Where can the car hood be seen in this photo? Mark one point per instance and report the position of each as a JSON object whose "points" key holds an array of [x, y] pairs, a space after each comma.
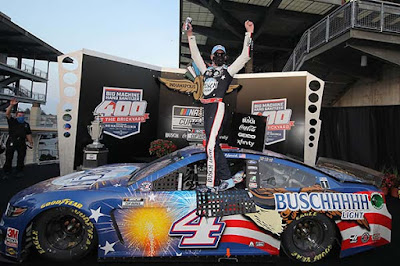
{"points": [[105, 176]]}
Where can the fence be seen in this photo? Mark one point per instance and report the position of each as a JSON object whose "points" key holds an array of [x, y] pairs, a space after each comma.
{"points": [[374, 16], [27, 68]]}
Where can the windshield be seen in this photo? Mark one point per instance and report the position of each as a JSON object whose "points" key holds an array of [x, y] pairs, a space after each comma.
{"points": [[350, 172], [155, 166]]}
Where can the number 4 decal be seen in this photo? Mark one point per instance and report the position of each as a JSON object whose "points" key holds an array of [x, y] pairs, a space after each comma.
{"points": [[197, 232]]}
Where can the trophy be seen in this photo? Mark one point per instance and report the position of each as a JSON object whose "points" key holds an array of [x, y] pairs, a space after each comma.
{"points": [[95, 154], [96, 132]]}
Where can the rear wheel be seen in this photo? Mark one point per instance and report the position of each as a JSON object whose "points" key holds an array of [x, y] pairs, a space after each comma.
{"points": [[63, 234], [309, 238]]}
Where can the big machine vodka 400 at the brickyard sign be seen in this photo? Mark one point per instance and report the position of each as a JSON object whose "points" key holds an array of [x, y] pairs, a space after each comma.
{"points": [[278, 118], [122, 111]]}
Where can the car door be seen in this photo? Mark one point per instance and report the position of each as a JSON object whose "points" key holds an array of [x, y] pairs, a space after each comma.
{"points": [[159, 218]]}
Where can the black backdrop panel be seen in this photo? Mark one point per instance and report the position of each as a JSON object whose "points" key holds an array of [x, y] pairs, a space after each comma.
{"points": [[368, 136], [168, 125], [247, 131], [291, 88], [98, 73]]}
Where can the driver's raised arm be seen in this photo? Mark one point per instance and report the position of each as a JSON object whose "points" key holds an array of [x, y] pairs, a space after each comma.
{"points": [[244, 57], [194, 50]]}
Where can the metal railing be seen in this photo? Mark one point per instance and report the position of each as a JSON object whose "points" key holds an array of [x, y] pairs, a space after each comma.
{"points": [[23, 92], [45, 149], [369, 15], [27, 68]]}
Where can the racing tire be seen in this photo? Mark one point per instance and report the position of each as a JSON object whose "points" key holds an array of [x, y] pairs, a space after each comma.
{"points": [[63, 234], [309, 238]]}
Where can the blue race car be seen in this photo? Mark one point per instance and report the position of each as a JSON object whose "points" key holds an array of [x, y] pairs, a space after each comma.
{"points": [[158, 210]]}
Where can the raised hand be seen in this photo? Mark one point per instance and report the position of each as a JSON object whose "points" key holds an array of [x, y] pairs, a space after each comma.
{"points": [[189, 31], [249, 25], [13, 102]]}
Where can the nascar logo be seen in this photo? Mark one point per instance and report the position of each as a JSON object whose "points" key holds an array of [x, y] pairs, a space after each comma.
{"points": [[184, 116]]}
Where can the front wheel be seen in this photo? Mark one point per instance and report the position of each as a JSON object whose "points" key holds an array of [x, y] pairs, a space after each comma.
{"points": [[309, 238], [63, 234]]}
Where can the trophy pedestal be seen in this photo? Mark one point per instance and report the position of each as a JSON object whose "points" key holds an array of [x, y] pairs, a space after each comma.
{"points": [[94, 157]]}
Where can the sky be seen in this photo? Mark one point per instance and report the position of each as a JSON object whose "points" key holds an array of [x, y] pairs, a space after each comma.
{"points": [[141, 30]]}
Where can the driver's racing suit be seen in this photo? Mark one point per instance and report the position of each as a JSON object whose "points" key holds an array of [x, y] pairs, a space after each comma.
{"points": [[216, 81]]}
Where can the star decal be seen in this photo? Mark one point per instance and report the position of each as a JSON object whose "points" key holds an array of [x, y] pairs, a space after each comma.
{"points": [[117, 185], [108, 247], [96, 214], [223, 77], [152, 197]]}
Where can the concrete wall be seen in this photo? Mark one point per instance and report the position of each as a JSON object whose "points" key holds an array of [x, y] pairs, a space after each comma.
{"points": [[385, 91]]}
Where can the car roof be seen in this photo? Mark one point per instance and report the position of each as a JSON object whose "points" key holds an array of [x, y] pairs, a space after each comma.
{"points": [[195, 149]]}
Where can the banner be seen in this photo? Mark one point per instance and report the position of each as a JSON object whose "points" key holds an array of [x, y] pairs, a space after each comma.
{"points": [[247, 131], [278, 118], [122, 111]]}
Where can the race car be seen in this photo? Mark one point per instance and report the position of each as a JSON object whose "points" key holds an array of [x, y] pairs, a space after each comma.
{"points": [[161, 209]]}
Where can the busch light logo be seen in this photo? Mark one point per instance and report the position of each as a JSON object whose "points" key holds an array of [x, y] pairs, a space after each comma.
{"points": [[278, 118], [322, 202], [122, 111]]}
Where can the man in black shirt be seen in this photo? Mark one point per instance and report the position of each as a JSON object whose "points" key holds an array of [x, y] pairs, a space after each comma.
{"points": [[19, 131]]}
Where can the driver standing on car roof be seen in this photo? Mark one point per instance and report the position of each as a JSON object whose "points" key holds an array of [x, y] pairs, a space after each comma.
{"points": [[217, 79]]}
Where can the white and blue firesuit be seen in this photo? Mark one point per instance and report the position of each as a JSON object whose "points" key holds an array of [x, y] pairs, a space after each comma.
{"points": [[216, 81]]}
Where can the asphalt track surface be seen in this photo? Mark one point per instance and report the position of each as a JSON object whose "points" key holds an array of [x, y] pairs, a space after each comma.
{"points": [[385, 255]]}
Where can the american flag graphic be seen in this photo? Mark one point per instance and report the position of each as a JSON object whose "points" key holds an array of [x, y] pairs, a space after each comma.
{"points": [[240, 230], [354, 236]]}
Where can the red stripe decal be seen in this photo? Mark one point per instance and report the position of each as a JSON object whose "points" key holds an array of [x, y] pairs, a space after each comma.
{"points": [[246, 241], [372, 218], [242, 224], [346, 244]]}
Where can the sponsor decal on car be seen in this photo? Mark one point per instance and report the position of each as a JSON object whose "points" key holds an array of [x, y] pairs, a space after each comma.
{"points": [[12, 252], [376, 237], [68, 202], [324, 182], [352, 215], [132, 202], [145, 186], [353, 239], [12, 237], [235, 155], [260, 244], [253, 185], [377, 201], [320, 201], [365, 237]]}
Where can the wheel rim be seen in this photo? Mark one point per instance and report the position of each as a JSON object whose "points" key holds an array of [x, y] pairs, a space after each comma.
{"points": [[64, 232], [308, 234]]}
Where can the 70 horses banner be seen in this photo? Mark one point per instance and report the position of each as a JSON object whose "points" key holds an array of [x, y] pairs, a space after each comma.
{"points": [[122, 111]]}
